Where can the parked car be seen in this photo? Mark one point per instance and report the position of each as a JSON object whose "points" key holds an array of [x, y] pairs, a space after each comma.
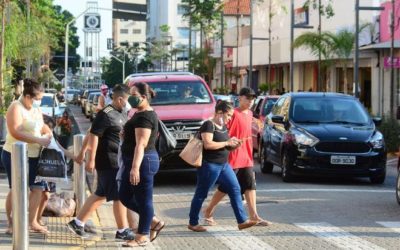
{"points": [[182, 116], [50, 106], [84, 97], [89, 102], [261, 108], [323, 134], [93, 106], [70, 94]]}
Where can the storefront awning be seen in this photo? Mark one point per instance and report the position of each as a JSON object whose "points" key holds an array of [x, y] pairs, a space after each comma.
{"points": [[384, 45]]}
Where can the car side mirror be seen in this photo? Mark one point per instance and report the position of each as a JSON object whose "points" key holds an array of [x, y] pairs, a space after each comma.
{"points": [[278, 119], [377, 121]]}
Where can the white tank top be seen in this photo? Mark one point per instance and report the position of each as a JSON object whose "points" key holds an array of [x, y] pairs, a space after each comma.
{"points": [[32, 123]]}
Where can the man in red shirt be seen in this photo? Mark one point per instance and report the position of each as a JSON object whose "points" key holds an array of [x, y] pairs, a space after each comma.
{"points": [[241, 159]]}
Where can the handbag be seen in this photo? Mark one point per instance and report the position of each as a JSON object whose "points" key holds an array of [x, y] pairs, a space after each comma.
{"points": [[166, 141], [52, 164], [192, 153]]}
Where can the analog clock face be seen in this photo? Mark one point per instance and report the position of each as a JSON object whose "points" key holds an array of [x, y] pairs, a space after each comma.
{"points": [[92, 21]]}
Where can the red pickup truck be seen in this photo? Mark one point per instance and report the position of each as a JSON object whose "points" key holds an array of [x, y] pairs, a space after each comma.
{"points": [[183, 102]]}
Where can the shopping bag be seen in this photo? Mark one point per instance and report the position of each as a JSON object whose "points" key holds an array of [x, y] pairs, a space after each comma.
{"points": [[52, 164], [166, 142]]}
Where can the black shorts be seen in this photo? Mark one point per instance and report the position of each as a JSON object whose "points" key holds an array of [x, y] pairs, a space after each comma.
{"points": [[246, 178], [107, 185]]}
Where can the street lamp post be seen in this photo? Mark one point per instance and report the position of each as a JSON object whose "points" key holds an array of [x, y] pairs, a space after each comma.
{"points": [[356, 44], [292, 27], [66, 51]]}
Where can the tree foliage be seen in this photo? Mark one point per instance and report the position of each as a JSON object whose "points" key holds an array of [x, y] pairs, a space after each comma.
{"points": [[205, 14], [325, 9]]}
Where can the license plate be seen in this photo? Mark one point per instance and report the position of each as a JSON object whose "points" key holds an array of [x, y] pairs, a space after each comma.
{"points": [[182, 135], [343, 160]]}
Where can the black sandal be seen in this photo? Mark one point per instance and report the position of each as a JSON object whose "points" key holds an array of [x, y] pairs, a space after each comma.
{"points": [[157, 229]]}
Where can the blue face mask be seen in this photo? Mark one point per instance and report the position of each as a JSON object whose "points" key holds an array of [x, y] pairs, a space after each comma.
{"points": [[36, 103]]}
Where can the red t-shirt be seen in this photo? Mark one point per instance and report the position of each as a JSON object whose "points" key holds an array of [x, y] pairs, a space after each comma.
{"points": [[240, 127]]}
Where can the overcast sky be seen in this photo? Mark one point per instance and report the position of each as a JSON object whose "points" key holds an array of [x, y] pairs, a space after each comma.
{"points": [[76, 7]]}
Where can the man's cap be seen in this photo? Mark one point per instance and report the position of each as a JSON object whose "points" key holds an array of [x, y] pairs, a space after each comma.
{"points": [[248, 92], [103, 86]]}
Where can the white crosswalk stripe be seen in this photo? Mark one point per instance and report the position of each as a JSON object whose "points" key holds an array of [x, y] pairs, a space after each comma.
{"points": [[231, 237], [393, 225], [337, 236]]}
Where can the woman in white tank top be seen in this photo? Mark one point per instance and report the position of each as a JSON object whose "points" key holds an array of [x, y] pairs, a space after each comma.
{"points": [[25, 123]]}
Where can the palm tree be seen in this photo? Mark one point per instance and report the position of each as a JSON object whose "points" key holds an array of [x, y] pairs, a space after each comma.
{"points": [[318, 44], [342, 45]]}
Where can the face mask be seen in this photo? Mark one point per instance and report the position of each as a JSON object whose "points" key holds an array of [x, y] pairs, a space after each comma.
{"points": [[36, 103], [221, 121], [135, 101], [126, 108]]}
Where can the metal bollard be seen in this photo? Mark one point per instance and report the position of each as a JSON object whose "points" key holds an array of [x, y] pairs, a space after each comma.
{"points": [[79, 174], [19, 175]]}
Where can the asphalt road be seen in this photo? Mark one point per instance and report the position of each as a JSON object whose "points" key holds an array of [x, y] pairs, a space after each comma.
{"points": [[312, 213]]}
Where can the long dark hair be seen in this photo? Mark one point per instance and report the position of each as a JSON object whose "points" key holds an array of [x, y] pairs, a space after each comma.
{"points": [[145, 90], [31, 87]]}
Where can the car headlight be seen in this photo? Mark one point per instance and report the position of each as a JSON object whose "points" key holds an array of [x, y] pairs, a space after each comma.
{"points": [[377, 140], [304, 139]]}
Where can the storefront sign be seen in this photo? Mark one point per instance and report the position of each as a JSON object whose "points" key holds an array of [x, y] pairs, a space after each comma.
{"points": [[395, 63]]}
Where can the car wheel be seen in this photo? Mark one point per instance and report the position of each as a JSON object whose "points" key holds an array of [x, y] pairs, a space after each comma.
{"points": [[398, 188], [287, 165], [266, 166], [379, 179]]}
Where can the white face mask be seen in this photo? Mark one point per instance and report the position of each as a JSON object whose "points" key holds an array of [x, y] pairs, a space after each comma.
{"points": [[127, 108], [36, 103], [221, 121]]}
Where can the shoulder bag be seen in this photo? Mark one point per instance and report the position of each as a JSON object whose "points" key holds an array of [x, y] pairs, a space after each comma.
{"points": [[166, 141]]}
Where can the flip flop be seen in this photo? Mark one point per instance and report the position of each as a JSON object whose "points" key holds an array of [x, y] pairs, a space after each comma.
{"points": [[263, 223], [210, 221], [156, 229], [136, 243], [40, 231]]}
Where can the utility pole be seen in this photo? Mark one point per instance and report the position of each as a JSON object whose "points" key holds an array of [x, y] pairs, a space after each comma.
{"points": [[269, 46], [291, 43], [356, 44], [292, 27], [222, 48], [356, 52], [319, 84], [250, 80], [392, 88], [190, 38], [28, 18], [237, 43]]}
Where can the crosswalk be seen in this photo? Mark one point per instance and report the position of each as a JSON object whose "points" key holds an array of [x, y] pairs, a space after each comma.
{"points": [[335, 237]]}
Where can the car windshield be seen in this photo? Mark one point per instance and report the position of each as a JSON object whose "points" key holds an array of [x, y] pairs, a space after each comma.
{"points": [[47, 101], [329, 110], [173, 93]]}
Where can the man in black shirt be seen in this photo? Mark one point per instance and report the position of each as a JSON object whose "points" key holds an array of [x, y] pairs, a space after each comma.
{"points": [[103, 141]]}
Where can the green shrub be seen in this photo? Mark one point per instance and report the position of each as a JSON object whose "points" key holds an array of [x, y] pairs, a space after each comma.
{"points": [[390, 129]]}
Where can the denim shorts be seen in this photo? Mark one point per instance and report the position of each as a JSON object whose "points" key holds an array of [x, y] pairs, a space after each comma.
{"points": [[33, 168]]}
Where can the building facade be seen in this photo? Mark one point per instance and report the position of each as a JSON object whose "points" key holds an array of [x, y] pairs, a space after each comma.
{"points": [[127, 32], [373, 76]]}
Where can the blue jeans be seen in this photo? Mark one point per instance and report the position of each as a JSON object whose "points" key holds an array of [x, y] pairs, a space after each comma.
{"points": [[209, 174], [140, 198]]}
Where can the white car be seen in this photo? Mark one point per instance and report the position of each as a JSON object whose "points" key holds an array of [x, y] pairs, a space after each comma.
{"points": [[50, 106], [70, 94]]}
